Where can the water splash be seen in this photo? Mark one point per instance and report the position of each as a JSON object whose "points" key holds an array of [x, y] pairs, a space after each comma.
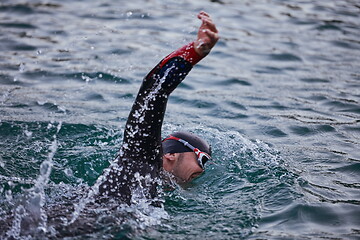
{"points": [[29, 217], [86, 78]]}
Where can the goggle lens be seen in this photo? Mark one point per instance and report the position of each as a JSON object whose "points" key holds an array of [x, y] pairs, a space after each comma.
{"points": [[202, 157]]}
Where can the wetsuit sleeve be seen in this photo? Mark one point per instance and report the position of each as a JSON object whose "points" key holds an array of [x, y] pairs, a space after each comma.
{"points": [[142, 138], [140, 159]]}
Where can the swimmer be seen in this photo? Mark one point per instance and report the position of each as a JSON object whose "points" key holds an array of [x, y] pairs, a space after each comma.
{"points": [[143, 156]]}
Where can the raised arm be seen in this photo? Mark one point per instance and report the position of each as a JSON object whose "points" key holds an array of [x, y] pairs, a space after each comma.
{"points": [[140, 159], [142, 138]]}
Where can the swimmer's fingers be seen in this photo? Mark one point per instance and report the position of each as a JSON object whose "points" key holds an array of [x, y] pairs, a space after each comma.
{"points": [[203, 13], [204, 16], [207, 22]]}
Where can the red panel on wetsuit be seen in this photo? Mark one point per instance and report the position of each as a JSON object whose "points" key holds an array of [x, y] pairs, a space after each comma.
{"points": [[187, 52]]}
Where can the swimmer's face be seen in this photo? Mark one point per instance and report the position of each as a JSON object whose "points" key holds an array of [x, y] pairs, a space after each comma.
{"points": [[183, 166]]}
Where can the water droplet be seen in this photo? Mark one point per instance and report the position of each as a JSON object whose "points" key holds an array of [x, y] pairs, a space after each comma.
{"points": [[86, 78], [22, 67], [45, 168], [8, 195], [41, 230], [28, 133], [62, 109], [68, 172], [129, 14], [2, 164]]}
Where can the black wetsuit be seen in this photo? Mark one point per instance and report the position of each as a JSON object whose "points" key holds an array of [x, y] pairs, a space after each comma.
{"points": [[137, 168]]}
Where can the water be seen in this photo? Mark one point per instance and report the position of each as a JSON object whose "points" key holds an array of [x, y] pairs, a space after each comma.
{"points": [[278, 99]]}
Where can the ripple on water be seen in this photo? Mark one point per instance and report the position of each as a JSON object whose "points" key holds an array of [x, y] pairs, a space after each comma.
{"points": [[272, 131], [99, 76], [287, 57], [95, 97], [120, 51], [343, 105], [311, 130], [346, 44], [329, 25], [236, 81], [228, 114], [197, 103], [309, 218], [18, 25], [237, 105], [16, 8], [184, 85], [269, 70], [10, 80], [274, 105], [314, 80], [27, 8], [302, 130], [45, 76], [51, 107], [351, 169], [6, 45]]}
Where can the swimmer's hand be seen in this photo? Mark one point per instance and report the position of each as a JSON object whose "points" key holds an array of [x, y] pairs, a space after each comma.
{"points": [[207, 35]]}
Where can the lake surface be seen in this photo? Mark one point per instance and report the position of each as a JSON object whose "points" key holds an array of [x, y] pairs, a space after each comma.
{"points": [[278, 99]]}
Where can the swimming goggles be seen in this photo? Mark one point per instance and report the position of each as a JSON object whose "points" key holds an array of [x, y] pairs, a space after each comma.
{"points": [[202, 157]]}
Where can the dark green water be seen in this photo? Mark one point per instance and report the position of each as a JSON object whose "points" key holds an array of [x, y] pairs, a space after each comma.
{"points": [[278, 99]]}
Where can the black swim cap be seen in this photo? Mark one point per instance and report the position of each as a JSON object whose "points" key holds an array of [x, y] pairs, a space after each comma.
{"points": [[173, 146]]}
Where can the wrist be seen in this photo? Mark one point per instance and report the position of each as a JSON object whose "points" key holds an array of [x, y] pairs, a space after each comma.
{"points": [[201, 48]]}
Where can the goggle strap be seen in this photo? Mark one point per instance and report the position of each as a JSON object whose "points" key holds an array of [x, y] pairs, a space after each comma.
{"points": [[194, 149], [180, 140]]}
